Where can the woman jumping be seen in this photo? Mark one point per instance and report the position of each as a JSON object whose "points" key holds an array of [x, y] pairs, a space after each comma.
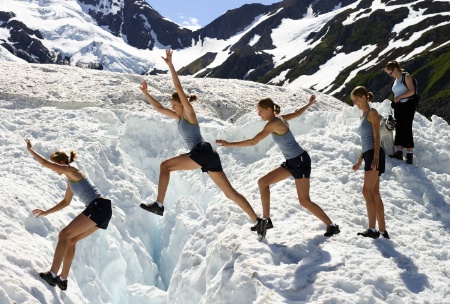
{"points": [[201, 154], [96, 215]]}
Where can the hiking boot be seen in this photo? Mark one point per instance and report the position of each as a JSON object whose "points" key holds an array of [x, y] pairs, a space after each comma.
{"points": [[409, 158], [369, 233], [268, 226], [153, 208], [261, 228], [62, 284], [385, 235], [47, 277], [332, 230], [397, 155]]}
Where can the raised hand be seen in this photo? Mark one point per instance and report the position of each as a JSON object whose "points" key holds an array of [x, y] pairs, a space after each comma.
{"points": [[144, 86], [312, 100], [29, 145], [168, 58]]}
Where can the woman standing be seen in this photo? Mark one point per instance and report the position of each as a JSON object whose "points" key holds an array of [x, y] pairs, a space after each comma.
{"points": [[201, 153], [374, 160], [96, 215], [298, 162], [404, 109]]}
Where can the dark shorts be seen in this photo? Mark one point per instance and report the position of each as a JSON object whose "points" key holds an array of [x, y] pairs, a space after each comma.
{"points": [[100, 211], [368, 158], [204, 155], [300, 166]]}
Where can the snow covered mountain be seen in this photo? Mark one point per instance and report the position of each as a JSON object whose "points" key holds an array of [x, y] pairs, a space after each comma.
{"points": [[327, 45]]}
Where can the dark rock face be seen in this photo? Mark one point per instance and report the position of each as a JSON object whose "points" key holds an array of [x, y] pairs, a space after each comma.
{"points": [[198, 64], [138, 23], [22, 42]]}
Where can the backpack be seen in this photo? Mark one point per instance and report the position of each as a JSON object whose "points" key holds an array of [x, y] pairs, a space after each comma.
{"points": [[416, 97]]}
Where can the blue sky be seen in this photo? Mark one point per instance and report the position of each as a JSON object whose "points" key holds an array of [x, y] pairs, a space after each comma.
{"points": [[198, 13]]}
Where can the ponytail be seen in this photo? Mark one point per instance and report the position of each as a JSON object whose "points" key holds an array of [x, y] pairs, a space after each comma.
{"points": [[73, 155], [391, 65], [190, 98], [267, 103], [60, 156], [361, 91]]}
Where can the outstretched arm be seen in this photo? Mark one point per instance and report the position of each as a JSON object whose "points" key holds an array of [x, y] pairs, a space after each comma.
{"points": [[62, 204], [156, 104], [300, 111], [188, 109], [268, 128], [43, 161]]}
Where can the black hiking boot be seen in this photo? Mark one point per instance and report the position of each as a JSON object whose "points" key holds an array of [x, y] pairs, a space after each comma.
{"points": [[153, 208], [47, 277], [385, 234], [268, 226], [370, 234], [332, 230], [261, 228], [409, 158], [62, 284], [397, 155]]}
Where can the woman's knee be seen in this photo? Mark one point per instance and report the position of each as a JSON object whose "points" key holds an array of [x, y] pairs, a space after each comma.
{"points": [[305, 201], [72, 241], [64, 235], [263, 182], [165, 166], [367, 192], [232, 194]]}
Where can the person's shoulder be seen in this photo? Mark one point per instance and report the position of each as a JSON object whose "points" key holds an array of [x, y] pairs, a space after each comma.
{"points": [[278, 120], [373, 115], [373, 112], [406, 74]]}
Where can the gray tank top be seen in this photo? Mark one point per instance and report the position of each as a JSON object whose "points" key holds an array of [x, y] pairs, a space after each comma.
{"points": [[190, 133], [398, 88], [287, 143], [85, 190], [366, 132]]}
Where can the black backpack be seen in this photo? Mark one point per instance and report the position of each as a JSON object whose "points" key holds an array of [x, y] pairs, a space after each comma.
{"points": [[416, 97]]}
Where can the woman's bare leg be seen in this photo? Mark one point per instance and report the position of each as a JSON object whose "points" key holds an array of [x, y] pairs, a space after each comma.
{"points": [[379, 207], [221, 180], [371, 179], [303, 186], [70, 252], [77, 226], [177, 163], [264, 183]]}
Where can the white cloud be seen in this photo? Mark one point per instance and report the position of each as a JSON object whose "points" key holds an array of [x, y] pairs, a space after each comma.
{"points": [[190, 22]]}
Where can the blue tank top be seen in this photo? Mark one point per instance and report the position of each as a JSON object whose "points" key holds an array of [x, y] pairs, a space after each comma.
{"points": [[366, 132], [287, 144], [190, 133], [85, 190], [398, 88]]}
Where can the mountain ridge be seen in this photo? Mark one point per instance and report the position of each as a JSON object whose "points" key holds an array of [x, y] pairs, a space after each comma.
{"points": [[289, 43]]}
